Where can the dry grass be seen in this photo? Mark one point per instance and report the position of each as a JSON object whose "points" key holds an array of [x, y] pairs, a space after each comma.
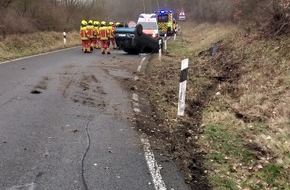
{"points": [[241, 123], [197, 38], [15, 46], [263, 121]]}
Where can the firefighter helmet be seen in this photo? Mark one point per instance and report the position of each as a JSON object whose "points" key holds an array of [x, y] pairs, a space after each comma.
{"points": [[96, 23], [84, 23], [103, 23], [90, 22]]}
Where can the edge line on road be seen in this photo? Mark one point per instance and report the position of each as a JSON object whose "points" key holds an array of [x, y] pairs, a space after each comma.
{"points": [[31, 56], [153, 166]]}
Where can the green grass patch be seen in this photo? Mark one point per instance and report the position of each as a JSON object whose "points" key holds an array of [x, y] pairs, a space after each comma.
{"points": [[271, 176], [227, 142], [224, 183]]}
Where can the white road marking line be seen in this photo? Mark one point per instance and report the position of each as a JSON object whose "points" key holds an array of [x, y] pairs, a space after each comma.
{"points": [[135, 103], [143, 59], [149, 156], [22, 58], [153, 166], [140, 66]]}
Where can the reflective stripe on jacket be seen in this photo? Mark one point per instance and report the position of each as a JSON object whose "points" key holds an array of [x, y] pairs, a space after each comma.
{"points": [[96, 32], [90, 29], [104, 33], [111, 31], [83, 33]]}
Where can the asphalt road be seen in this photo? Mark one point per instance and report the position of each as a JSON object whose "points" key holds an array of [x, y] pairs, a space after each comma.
{"points": [[66, 123]]}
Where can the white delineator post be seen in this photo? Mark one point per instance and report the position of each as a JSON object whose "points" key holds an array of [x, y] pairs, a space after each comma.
{"points": [[64, 38], [165, 41], [182, 87], [160, 49], [174, 37]]}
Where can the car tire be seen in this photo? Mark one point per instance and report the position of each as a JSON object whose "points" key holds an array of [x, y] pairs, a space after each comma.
{"points": [[139, 29]]}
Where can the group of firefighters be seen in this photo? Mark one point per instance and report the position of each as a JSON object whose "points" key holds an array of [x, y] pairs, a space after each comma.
{"points": [[95, 34]]}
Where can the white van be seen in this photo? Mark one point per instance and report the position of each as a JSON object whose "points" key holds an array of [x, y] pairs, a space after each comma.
{"points": [[149, 23]]}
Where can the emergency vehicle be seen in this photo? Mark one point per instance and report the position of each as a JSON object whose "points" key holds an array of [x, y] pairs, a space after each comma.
{"points": [[149, 24], [165, 21]]}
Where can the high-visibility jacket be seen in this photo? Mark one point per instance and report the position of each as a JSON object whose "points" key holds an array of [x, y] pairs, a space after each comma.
{"points": [[111, 30], [174, 26], [83, 33], [104, 33], [90, 29], [96, 32]]}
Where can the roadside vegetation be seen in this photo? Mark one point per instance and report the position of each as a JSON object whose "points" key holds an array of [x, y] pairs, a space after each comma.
{"points": [[235, 133], [15, 46]]}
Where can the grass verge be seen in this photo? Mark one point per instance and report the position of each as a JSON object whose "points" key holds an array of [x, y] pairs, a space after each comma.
{"points": [[235, 133], [15, 46]]}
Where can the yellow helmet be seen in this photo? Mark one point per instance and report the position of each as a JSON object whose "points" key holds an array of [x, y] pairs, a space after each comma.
{"points": [[96, 23], [90, 22], [103, 23], [111, 23], [84, 23], [118, 23]]}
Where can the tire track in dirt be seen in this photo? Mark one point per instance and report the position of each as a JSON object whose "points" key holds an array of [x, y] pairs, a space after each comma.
{"points": [[82, 87]]}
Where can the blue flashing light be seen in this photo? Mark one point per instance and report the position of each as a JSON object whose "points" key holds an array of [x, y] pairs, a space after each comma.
{"points": [[165, 11]]}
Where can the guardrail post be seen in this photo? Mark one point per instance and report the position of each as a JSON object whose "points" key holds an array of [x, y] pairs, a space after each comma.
{"points": [[182, 87]]}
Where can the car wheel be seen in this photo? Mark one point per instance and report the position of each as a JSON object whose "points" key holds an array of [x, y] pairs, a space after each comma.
{"points": [[139, 29]]}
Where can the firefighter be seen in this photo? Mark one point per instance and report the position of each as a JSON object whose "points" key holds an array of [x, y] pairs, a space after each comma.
{"points": [[96, 34], [117, 24], [104, 38], [90, 29], [175, 26], [111, 29], [86, 46]]}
